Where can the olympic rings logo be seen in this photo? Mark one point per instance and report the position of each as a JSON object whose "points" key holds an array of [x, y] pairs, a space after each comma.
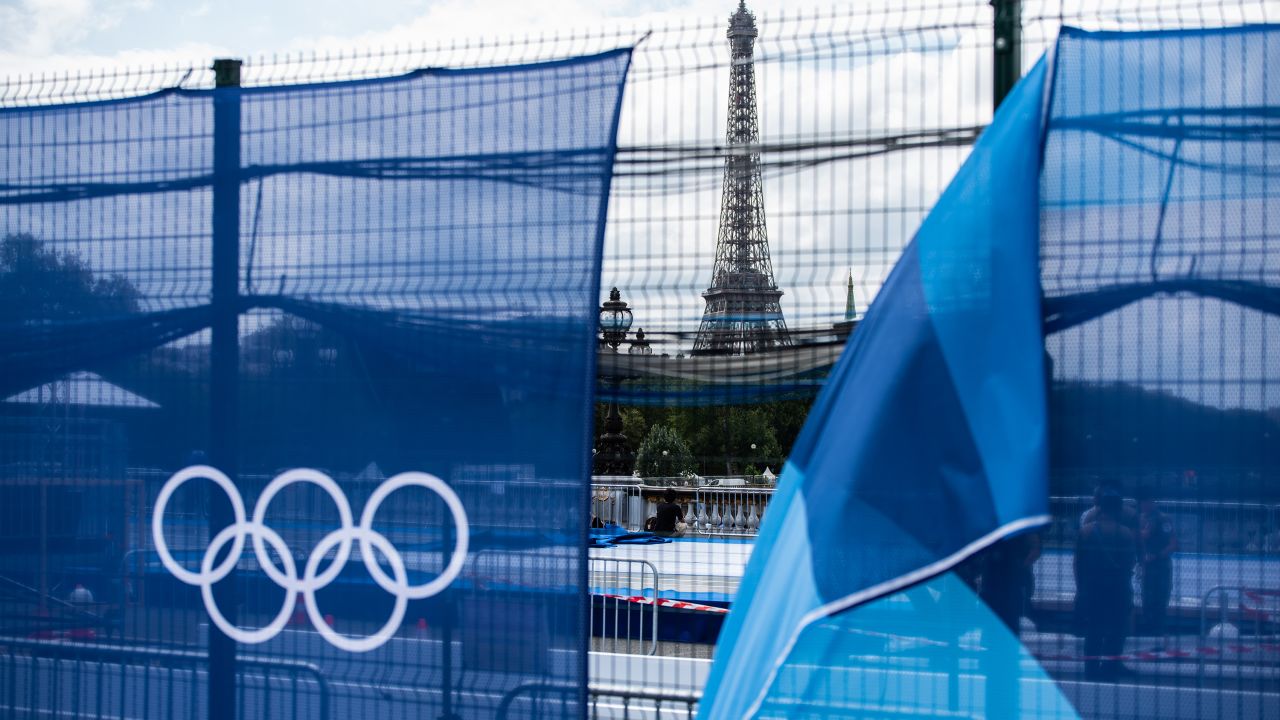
{"points": [[312, 579]]}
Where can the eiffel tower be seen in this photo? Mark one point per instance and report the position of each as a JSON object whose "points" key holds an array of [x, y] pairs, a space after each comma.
{"points": [[743, 314]]}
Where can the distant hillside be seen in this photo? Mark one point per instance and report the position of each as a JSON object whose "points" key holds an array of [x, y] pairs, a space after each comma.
{"points": [[1133, 432]]}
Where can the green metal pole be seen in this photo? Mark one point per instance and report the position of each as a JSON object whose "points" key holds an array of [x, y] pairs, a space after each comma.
{"points": [[1002, 661], [1007, 47]]}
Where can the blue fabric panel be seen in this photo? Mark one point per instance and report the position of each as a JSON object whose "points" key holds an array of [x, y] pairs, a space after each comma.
{"points": [[979, 260], [1160, 264], [895, 460], [417, 287], [934, 650], [1158, 143], [777, 592], [947, 362]]}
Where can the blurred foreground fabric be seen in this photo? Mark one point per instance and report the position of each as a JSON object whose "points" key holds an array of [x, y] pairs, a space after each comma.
{"points": [[1128, 173]]}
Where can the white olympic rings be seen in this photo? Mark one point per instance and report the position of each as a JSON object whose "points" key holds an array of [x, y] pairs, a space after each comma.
{"points": [[312, 578]]}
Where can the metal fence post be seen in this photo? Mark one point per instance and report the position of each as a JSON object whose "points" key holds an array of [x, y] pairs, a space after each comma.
{"points": [[1007, 47], [449, 617], [224, 361]]}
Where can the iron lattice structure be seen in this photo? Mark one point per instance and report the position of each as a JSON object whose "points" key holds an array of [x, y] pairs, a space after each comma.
{"points": [[743, 313]]}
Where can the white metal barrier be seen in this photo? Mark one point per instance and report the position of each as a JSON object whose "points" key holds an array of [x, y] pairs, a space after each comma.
{"points": [[618, 623]]}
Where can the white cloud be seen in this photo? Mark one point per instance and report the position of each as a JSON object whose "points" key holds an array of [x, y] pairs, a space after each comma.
{"points": [[40, 27]]}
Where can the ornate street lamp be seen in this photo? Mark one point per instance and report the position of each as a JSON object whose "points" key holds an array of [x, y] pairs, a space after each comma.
{"points": [[612, 456], [615, 320]]}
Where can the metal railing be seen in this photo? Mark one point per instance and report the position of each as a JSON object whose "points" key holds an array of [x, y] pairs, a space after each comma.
{"points": [[98, 680], [1202, 526], [1207, 526], [618, 622], [734, 511], [617, 502], [713, 506], [604, 702], [1237, 612], [617, 701]]}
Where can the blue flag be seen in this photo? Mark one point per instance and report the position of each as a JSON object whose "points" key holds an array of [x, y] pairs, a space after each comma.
{"points": [[929, 441]]}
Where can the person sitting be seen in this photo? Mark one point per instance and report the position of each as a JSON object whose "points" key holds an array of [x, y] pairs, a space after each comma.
{"points": [[669, 514]]}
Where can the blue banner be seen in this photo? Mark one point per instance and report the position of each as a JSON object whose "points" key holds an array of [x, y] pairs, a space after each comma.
{"points": [[307, 373], [928, 442]]}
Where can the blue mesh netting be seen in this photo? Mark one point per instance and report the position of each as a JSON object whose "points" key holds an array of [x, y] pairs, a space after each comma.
{"points": [[1158, 264], [416, 269]]}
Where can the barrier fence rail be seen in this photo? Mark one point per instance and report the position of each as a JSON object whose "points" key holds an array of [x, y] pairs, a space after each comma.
{"points": [[40, 678], [730, 511], [1238, 609], [1202, 526], [713, 506], [608, 702], [617, 501], [617, 623], [616, 702]]}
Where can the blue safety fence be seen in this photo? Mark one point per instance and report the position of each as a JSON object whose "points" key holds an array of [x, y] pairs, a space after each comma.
{"points": [[297, 388]]}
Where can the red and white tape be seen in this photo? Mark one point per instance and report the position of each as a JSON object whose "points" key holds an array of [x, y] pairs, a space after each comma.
{"points": [[1261, 604], [664, 602]]}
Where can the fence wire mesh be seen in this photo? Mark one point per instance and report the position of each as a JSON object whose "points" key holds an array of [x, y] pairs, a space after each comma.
{"points": [[863, 117]]}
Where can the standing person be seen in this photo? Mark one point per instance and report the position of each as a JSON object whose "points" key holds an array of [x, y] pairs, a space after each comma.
{"points": [[1104, 561], [1157, 543], [669, 514], [1128, 517]]}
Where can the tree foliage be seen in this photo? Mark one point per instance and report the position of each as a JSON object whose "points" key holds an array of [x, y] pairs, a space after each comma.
{"points": [[720, 437], [725, 435], [40, 283], [663, 454]]}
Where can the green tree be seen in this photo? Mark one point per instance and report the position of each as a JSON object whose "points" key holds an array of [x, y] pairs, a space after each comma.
{"points": [[38, 283], [663, 454], [722, 438], [751, 439]]}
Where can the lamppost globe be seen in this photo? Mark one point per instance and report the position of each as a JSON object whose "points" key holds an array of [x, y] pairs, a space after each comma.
{"points": [[615, 320], [613, 457]]}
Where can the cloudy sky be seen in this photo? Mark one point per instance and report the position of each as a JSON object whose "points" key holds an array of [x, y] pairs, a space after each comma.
{"points": [[38, 34], [853, 74], [662, 232]]}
